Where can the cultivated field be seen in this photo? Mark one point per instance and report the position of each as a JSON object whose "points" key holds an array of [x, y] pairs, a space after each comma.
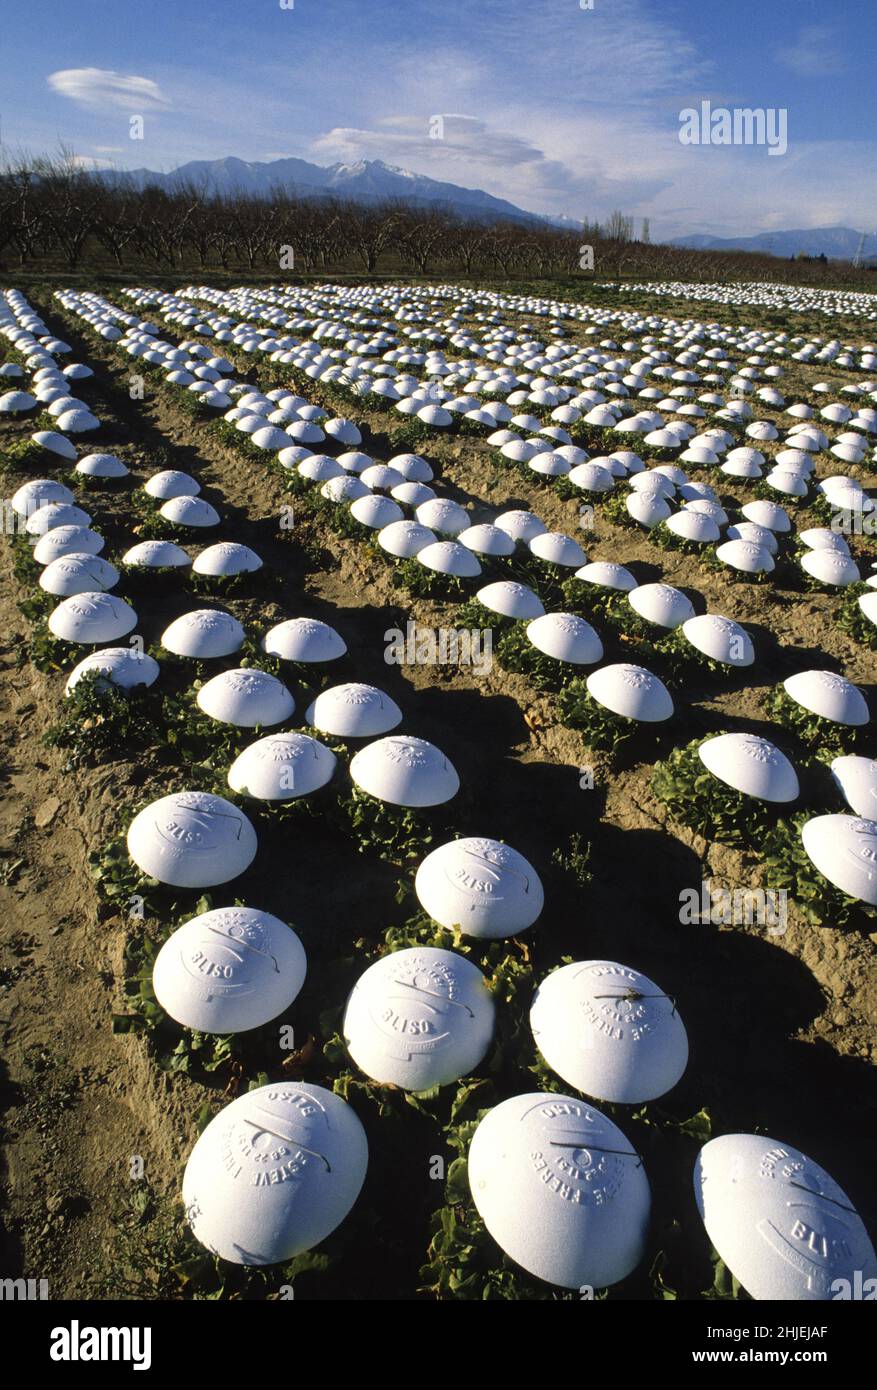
{"points": [[108, 1093]]}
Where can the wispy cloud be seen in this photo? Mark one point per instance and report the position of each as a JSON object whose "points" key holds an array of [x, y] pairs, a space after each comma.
{"points": [[99, 87], [447, 136], [815, 53], [89, 161]]}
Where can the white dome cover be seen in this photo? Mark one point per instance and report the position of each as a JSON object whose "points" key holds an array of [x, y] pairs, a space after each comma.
{"points": [[781, 1224], [282, 767], [77, 421], [156, 555], [560, 1189], [301, 1158], [376, 512], [102, 466], [380, 477], [708, 507], [346, 488], [125, 667], [227, 557], [566, 637], [753, 533], [510, 599], [442, 515], [55, 443], [591, 477], [353, 711], [78, 574], [229, 970], [693, 526], [844, 850], [412, 467], [606, 574], [652, 481], [344, 430], [558, 549], [720, 638], [830, 566], [405, 771], [304, 639], [192, 839], [419, 1018], [189, 511], [450, 557], [405, 539], [320, 468], [54, 514], [828, 695], [631, 691], [487, 540], [823, 538], [412, 494], [746, 557], [204, 632], [37, 493], [609, 1031], [521, 525], [661, 604], [92, 617], [482, 886], [769, 514], [648, 508], [13, 402], [247, 698], [857, 779], [751, 765]]}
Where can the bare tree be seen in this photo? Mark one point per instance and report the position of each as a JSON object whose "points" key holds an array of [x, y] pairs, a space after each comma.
{"points": [[72, 200], [420, 237], [369, 231]]}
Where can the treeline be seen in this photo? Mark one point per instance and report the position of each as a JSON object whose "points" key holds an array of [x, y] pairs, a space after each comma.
{"points": [[57, 216]]}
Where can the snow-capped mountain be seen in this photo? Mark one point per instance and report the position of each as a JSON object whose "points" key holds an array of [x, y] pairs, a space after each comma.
{"points": [[367, 181]]}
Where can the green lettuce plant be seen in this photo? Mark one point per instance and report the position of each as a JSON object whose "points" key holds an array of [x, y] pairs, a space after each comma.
{"points": [[101, 721], [515, 652], [421, 582], [604, 730], [820, 735], [787, 866], [394, 833], [708, 806], [852, 619]]}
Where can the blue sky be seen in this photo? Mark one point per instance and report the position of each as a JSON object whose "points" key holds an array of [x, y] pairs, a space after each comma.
{"points": [[558, 108]]}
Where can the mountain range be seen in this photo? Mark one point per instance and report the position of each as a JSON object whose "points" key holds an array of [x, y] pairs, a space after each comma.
{"points": [[367, 181], [840, 243], [373, 181]]}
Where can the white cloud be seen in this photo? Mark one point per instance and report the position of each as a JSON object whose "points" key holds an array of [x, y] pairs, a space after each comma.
{"points": [[102, 87], [814, 53], [457, 138], [603, 159], [89, 161]]}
